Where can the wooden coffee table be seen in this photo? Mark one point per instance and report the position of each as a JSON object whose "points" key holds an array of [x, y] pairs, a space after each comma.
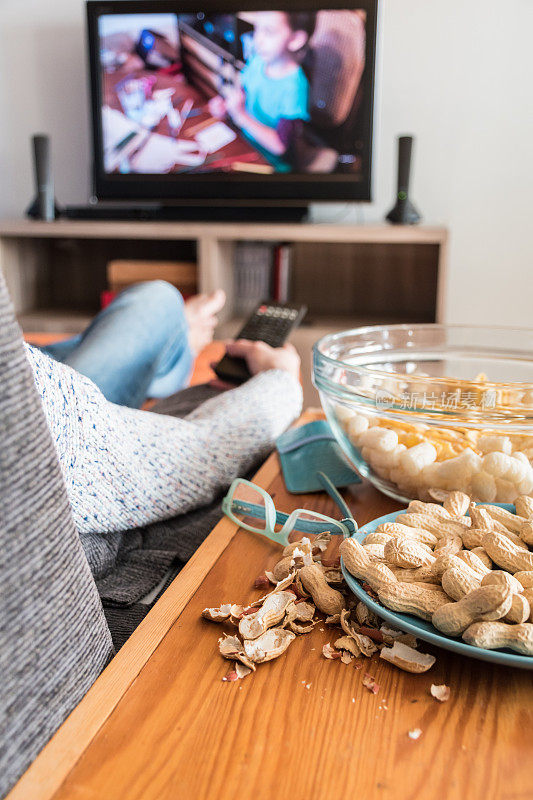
{"points": [[160, 722]]}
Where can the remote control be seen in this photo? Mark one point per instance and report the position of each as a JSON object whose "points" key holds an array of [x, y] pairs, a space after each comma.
{"points": [[271, 323]]}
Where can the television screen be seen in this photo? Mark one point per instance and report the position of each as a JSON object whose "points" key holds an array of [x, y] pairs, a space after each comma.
{"points": [[246, 94]]}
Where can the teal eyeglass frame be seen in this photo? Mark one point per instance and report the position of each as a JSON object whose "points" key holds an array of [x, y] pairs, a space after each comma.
{"points": [[345, 527]]}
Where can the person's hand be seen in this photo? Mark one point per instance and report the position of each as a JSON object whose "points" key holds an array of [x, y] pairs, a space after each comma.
{"points": [[260, 357], [217, 107], [235, 103]]}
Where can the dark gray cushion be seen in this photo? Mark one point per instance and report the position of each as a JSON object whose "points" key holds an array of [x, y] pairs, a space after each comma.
{"points": [[54, 640]]}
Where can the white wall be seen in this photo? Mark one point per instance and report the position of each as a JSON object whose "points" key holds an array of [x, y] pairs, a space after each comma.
{"points": [[456, 73]]}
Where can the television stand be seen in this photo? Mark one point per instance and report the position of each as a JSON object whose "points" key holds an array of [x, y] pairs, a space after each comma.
{"points": [[348, 275], [191, 213]]}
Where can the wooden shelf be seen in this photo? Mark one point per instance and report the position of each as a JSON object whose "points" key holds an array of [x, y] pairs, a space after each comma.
{"points": [[366, 270], [301, 232], [54, 320]]}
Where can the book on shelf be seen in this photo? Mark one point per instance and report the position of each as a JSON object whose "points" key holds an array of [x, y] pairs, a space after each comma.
{"points": [[253, 275], [281, 273], [262, 272]]}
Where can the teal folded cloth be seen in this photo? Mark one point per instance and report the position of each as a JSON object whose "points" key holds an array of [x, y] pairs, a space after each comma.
{"points": [[308, 449]]}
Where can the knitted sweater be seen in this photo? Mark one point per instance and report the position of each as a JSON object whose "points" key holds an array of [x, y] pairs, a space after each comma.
{"points": [[124, 468]]}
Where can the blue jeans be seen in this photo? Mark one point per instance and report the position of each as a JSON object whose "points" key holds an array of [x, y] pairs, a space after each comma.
{"points": [[137, 347]]}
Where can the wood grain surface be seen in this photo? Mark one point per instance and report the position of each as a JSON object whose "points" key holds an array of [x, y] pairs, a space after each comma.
{"points": [[301, 726], [295, 232]]}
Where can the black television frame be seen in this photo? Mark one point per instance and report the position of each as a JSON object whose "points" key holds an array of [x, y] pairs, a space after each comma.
{"points": [[191, 189]]}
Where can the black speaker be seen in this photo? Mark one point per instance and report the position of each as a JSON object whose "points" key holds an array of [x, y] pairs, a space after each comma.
{"points": [[404, 212], [44, 205]]}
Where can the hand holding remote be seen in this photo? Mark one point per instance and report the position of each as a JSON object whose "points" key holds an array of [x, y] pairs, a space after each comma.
{"points": [[271, 324], [261, 357]]}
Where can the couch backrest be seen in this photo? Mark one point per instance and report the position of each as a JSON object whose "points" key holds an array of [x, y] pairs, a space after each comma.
{"points": [[338, 58], [54, 640]]}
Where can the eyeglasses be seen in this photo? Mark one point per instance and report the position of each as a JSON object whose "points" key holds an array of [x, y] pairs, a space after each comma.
{"points": [[253, 509]]}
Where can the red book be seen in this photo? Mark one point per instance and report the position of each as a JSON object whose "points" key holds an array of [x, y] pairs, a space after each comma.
{"points": [[276, 274], [284, 273], [106, 298]]}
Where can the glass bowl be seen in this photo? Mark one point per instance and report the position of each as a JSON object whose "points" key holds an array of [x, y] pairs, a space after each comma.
{"points": [[432, 407]]}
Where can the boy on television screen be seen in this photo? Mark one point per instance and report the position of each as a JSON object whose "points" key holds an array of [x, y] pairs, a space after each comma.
{"points": [[273, 88]]}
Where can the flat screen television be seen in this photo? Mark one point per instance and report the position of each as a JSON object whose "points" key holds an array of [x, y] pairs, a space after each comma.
{"points": [[260, 103]]}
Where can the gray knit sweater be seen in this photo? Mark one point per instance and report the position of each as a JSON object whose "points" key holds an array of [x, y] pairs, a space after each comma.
{"points": [[124, 468]]}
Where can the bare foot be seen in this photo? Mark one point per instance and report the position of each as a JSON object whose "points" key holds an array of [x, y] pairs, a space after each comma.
{"points": [[201, 311]]}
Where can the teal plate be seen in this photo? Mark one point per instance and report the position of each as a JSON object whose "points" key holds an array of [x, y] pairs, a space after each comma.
{"points": [[420, 628]]}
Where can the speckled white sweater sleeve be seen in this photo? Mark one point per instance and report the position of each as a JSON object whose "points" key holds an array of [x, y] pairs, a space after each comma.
{"points": [[124, 467]]}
